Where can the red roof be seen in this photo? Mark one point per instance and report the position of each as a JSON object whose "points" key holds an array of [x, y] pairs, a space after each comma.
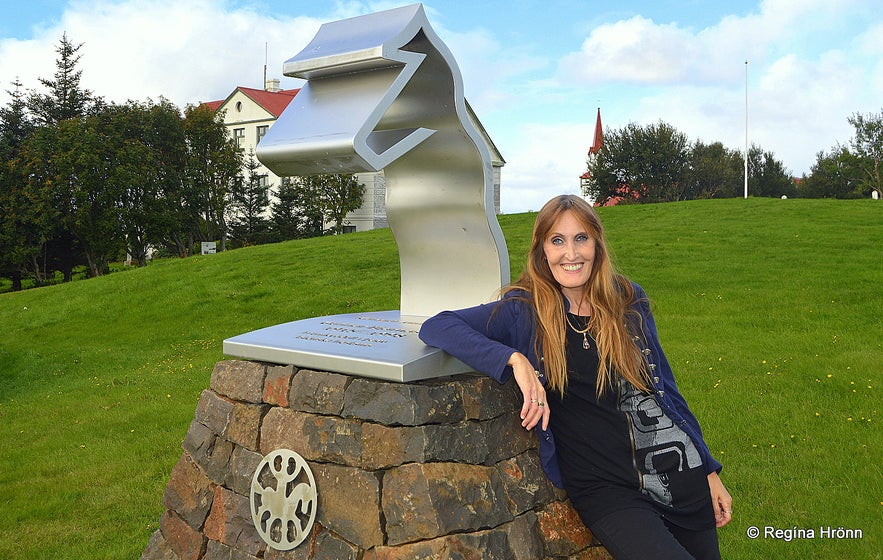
{"points": [[598, 140], [273, 101]]}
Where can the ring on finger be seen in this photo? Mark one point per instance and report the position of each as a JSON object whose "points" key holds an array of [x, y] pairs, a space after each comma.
{"points": [[541, 403], [533, 401]]}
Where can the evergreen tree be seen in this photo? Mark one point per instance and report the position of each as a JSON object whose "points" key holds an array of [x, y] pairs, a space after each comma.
{"points": [[55, 113], [249, 204], [20, 238], [15, 123], [285, 217], [310, 205], [65, 98]]}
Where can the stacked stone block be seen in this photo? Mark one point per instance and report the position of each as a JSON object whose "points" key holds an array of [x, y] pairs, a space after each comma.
{"points": [[435, 469]]}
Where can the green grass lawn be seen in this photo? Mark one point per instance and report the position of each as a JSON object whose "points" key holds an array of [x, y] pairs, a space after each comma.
{"points": [[769, 310]]}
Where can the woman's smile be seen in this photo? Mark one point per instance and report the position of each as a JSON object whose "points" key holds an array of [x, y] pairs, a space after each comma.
{"points": [[570, 252]]}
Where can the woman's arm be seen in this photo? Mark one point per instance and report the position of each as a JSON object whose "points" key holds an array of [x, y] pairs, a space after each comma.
{"points": [[494, 339], [721, 500], [534, 408], [482, 337]]}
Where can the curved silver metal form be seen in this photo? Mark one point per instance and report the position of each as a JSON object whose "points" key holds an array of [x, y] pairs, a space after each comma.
{"points": [[383, 92]]}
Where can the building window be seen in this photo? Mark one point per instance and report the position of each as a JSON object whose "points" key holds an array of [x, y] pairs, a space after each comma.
{"points": [[262, 131], [264, 182], [349, 229], [238, 136]]}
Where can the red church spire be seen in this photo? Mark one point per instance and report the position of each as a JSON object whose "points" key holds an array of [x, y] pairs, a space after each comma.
{"points": [[598, 141]]}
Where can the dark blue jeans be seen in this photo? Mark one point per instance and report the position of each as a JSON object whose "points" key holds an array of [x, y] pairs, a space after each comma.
{"points": [[640, 534]]}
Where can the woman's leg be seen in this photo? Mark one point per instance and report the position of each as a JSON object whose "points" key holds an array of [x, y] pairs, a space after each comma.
{"points": [[638, 534], [702, 545]]}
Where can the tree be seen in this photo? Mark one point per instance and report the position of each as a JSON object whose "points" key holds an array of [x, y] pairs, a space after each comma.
{"points": [[97, 221], [57, 177], [309, 205], [165, 137], [15, 123], [834, 175], [716, 172], [52, 178], [645, 164], [74, 161], [767, 175], [868, 147], [341, 195], [148, 172], [19, 240], [249, 204], [65, 99], [212, 167], [285, 217], [305, 204]]}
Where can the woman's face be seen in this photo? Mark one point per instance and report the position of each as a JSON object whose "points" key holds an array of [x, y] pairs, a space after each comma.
{"points": [[570, 251]]}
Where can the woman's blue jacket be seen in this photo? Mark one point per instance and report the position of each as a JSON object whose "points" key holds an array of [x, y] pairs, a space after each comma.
{"points": [[485, 336]]}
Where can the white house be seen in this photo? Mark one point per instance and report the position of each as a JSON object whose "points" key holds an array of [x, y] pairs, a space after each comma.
{"points": [[249, 113]]}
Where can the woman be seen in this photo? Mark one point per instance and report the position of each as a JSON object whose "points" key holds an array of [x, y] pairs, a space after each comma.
{"points": [[614, 431]]}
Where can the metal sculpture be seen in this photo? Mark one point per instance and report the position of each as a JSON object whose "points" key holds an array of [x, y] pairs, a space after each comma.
{"points": [[383, 92]]}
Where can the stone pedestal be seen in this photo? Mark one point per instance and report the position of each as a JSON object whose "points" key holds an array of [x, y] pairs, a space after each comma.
{"points": [[436, 469]]}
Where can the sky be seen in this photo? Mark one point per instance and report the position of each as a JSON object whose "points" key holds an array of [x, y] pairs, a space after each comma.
{"points": [[534, 71]]}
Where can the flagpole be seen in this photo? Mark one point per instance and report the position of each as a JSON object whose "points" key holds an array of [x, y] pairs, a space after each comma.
{"points": [[746, 128]]}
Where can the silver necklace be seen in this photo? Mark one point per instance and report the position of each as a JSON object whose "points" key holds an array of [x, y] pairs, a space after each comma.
{"points": [[583, 332]]}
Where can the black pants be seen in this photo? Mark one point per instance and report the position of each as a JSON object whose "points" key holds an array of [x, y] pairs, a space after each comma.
{"points": [[639, 534]]}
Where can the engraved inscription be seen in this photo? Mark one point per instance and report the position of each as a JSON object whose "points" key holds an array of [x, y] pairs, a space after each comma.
{"points": [[357, 334]]}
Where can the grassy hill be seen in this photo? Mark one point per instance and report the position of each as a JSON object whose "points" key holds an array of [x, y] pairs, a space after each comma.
{"points": [[769, 310]]}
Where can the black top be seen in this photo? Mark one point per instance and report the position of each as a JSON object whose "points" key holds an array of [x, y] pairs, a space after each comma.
{"points": [[622, 451]]}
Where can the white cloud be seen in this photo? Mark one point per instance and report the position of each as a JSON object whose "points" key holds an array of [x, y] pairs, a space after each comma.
{"points": [[547, 163], [25, 61], [811, 64], [495, 76], [186, 51], [795, 109], [635, 50]]}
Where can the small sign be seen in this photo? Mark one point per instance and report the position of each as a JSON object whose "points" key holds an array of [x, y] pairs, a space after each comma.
{"points": [[209, 247]]}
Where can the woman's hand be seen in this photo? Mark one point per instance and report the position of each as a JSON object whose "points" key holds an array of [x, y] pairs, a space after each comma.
{"points": [[535, 407], [720, 500]]}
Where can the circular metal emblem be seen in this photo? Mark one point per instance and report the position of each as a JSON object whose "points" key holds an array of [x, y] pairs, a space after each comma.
{"points": [[283, 499]]}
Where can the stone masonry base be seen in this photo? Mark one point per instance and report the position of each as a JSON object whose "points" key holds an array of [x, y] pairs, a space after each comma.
{"points": [[436, 469]]}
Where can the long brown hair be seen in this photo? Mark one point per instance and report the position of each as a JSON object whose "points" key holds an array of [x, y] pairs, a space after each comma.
{"points": [[609, 293]]}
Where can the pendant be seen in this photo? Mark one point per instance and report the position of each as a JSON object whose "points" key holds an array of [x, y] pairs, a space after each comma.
{"points": [[585, 342]]}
